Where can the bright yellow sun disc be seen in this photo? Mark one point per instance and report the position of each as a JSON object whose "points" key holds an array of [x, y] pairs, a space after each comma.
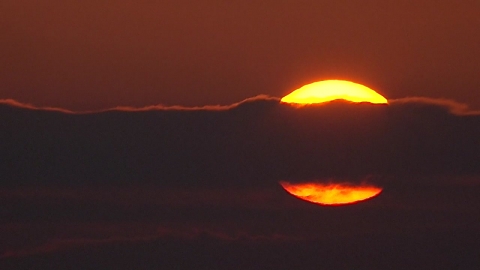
{"points": [[324, 91]]}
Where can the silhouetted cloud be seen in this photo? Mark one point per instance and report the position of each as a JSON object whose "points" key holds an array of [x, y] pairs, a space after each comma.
{"points": [[159, 107], [453, 106], [213, 173], [161, 234], [429, 249], [256, 142], [14, 103]]}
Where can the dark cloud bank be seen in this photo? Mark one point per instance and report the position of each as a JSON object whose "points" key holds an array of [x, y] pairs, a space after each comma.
{"points": [[198, 187], [258, 142]]}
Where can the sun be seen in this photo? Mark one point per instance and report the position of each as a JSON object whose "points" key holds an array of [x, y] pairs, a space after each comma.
{"points": [[331, 194], [324, 91]]}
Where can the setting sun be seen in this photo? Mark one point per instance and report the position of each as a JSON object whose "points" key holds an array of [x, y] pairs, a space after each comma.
{"points": [[324, 91], [331, 194]]}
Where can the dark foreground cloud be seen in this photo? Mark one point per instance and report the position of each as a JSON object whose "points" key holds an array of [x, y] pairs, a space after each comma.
{"points": [[257, 142], [405, 250], [198, 188]]}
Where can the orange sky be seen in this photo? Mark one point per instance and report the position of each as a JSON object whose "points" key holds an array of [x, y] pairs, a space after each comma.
{"points": [[85, 55]]}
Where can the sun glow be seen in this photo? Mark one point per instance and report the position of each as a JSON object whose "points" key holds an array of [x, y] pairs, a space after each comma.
{"points": [[324, 91], [331, 194]]}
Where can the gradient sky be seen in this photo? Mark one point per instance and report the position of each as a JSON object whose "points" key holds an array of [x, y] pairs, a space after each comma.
{"points": [[83, 55], [172, 186]]}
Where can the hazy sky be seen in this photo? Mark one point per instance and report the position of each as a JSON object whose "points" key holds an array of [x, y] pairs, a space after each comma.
{"points": [[198, 188], [96, 54]]}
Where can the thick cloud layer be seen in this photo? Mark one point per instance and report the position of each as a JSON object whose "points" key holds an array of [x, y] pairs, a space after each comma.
{"points": [[258, 142], [113, 187]]}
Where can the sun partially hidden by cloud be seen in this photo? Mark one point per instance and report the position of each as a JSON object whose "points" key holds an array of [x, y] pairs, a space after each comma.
{"points": [[331, 194], [324, 91]]}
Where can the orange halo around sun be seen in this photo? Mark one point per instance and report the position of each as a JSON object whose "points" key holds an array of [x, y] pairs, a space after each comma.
{"points": [[331, 194], [324, 91]]}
